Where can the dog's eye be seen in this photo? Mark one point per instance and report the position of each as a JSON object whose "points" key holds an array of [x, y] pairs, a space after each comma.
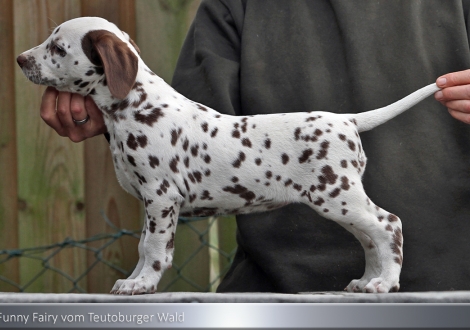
{"points": [[57, 49]]}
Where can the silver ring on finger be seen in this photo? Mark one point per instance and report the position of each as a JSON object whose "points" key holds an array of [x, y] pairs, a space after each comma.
{"points": [[81, 122]]}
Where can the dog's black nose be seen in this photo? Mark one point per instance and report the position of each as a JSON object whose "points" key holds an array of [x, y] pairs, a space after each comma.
{"points": [[21, 60]]}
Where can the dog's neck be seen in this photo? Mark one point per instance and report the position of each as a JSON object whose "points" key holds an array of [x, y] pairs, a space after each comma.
{"points": [[148, 89]]}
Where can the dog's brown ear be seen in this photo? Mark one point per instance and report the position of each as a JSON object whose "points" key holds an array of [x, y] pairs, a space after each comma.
{"points": [[120, 63]]}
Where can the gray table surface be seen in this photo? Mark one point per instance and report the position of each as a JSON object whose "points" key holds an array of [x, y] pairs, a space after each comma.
{"points": [[190, 297]]}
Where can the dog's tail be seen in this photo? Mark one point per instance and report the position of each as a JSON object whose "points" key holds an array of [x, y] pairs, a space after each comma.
{"points": [[366, 121]]}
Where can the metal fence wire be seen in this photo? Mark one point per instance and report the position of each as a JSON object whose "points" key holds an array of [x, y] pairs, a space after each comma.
{"points": [[207, 237]]}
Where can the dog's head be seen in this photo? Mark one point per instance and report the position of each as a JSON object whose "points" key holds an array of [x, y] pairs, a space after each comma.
{"points": [[81, 53]]}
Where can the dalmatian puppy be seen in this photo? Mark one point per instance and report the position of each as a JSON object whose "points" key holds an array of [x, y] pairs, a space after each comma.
{"points": [[182, 158]]}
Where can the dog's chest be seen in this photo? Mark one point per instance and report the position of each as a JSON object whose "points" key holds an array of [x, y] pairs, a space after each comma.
{"points": [[123, 174]]}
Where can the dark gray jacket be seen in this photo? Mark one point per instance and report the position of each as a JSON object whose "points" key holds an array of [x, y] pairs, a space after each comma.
{"points": [[251, 57]]}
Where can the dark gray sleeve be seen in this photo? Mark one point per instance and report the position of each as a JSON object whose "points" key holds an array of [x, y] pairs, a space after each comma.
{"points": [[208, 67], [466, 11]]}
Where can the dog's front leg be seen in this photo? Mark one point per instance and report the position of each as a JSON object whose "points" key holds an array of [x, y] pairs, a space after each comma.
{"points": [[155, 249], [140, 263]]}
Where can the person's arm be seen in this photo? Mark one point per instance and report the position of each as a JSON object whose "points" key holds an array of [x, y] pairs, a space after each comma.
{"points": [[208, 69], [455, 94]]}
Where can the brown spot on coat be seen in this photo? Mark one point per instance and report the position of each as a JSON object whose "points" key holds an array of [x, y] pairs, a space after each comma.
{"points": [[168, 212], [175, 134], [171, 242], [132, 142], [131, 160], [324, 150], [267, 143], [157, 266], [345, 183], [174, 164], [319, 201], [241, 158], [305, 155], [246, 142], [351, 145], [149, 119], [185, 144], [152, 226], [297, 132], [392, 217], [194, 150], [142, 141], [206, 195], [236, 134], [242, 191], [285, 158], [399, 260], [328, 176], [207, 159], [140, 177], [335, 193]]}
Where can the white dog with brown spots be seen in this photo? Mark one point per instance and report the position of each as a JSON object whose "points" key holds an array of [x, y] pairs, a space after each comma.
{"points": [[182, 158]]}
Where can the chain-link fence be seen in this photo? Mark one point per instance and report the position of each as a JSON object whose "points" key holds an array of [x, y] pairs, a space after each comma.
{"points": [[205, 231]]}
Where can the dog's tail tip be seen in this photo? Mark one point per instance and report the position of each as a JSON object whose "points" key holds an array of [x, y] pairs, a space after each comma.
{"points": [[368, 120]]}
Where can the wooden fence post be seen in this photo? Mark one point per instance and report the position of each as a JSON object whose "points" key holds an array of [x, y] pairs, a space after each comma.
{"points": [[8, 162], [50, 168]]}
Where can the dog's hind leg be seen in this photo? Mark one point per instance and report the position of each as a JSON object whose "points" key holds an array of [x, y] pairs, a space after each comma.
{"points": [[378, 231]]}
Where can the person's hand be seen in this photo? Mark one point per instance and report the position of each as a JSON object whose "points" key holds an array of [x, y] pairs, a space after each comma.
{"points": [[455, 94], [60, 109]]}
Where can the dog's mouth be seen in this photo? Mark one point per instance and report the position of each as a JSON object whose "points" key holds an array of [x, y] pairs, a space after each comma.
{"points": [[36, 77], [32, 70]]}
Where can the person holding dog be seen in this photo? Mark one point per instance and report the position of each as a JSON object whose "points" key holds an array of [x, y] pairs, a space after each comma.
{"points": [[246, 57]]}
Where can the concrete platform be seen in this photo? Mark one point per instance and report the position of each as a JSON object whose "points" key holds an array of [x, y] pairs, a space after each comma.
{"points": [[190, 297]]}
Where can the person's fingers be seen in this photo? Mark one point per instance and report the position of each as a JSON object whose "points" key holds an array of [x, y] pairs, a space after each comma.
{"points": [[78, 111], [458, 105], [94, 125], [59, 109], [454, 79], [48, 110], [77, 107], [460, 92], [459, 115], [63, 110]]}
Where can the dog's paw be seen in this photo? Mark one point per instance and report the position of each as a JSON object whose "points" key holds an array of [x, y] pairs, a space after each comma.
{"points": [[116, 286], [133, 286], [380, 285], [375, 285], [356, 285]]}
